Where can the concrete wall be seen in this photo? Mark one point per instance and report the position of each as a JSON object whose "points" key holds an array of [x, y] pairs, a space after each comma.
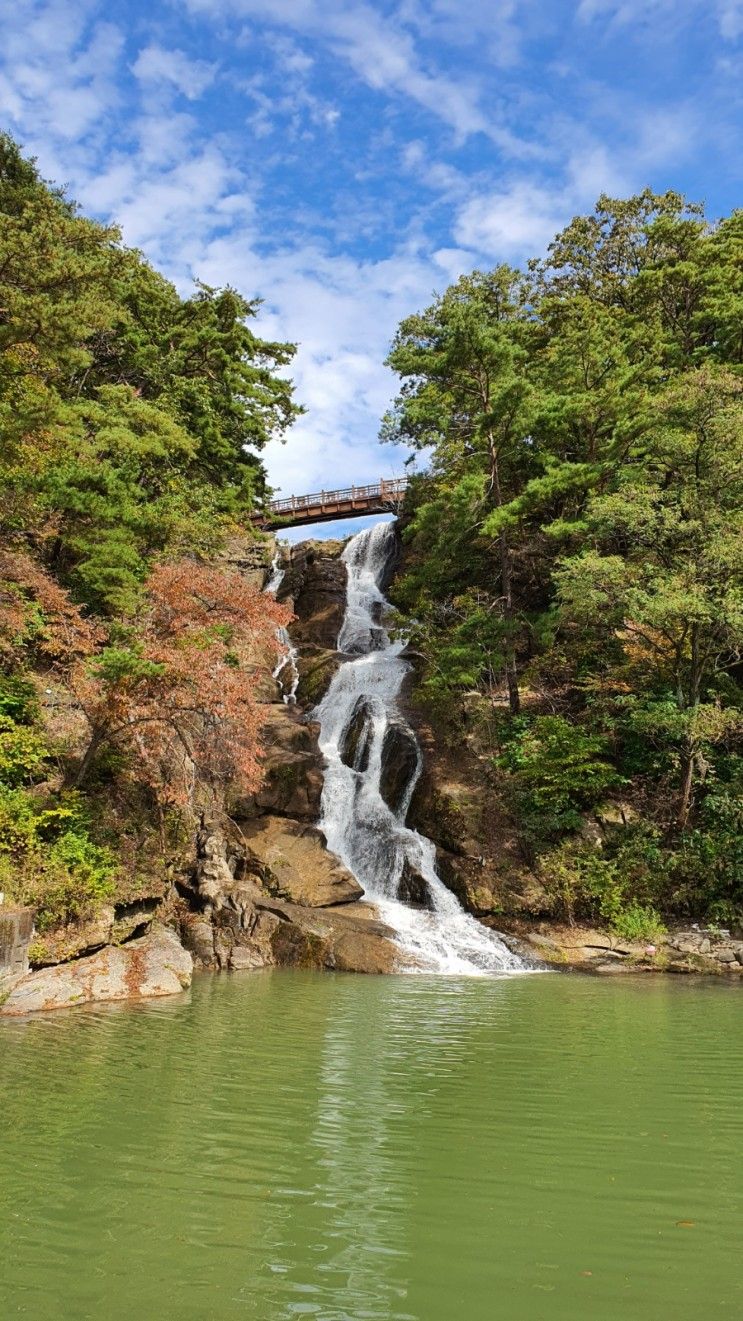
{"points": [[16, 929]]}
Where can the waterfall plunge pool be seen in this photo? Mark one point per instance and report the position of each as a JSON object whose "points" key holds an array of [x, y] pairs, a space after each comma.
{"points": [[286, 1145]]}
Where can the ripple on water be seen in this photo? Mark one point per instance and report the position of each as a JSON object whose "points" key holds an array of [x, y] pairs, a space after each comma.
{"points": [[403, 1149]]}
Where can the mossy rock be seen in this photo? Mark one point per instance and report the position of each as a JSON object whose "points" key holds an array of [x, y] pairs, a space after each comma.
{"points": [[315, 675]]}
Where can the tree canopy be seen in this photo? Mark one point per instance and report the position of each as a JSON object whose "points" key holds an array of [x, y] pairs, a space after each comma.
{"points": [[576, 543], [131, 424]]}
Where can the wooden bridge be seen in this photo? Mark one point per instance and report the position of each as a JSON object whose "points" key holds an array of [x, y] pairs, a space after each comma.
{"points": [[383, 497]]}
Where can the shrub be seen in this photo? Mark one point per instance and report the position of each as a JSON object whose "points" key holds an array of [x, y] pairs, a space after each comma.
{"points": [[49, 861], [556, 769], [618, 885], [23, 753], [70, 883], [18, 699], [638, 922]]}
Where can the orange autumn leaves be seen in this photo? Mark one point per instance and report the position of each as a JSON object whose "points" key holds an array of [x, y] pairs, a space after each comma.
{"points": [[178, 691]]}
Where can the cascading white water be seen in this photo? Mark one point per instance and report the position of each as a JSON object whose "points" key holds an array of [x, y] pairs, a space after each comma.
{"points": [[288, 661], [356, 715]]}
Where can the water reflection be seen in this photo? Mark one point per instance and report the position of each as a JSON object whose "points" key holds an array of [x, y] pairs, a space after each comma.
{"points": [[406, 1149]]}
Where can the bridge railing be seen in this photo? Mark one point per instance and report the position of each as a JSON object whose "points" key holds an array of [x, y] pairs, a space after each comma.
{"points": [[392, 491]]}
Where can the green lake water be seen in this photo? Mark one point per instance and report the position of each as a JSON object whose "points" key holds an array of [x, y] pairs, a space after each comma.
{"points": [[278, 1145]]}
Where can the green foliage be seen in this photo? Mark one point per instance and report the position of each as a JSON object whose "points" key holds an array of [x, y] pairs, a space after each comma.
{"points": [[18, 700], [23, 753], [555, 771], [577, 543], [706, 865], [639, 922], [619, 884], [48, 859], [125, 410]]}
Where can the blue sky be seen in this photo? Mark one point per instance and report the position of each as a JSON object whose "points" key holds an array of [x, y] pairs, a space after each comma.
{"points": [[346, 159]]}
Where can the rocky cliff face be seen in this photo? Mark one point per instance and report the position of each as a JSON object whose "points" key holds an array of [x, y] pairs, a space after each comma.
{"points": [[266, 891], [263, 891], [455, 805]]}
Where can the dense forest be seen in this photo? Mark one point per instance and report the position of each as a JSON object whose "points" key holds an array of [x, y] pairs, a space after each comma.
{"points": [[575, 551], [130, 651], [572, 572]]}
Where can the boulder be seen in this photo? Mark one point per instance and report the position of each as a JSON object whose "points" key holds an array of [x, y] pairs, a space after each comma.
{"points": [[349, 939], [400, 763], [355, 743], [291, 860], [155, 965], [293, 768], [254, 930], [317, 667], [412, 888], [75, 940]]}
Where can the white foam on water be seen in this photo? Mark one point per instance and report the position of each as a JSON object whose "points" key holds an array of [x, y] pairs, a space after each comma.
{"points": [[371, 839]]}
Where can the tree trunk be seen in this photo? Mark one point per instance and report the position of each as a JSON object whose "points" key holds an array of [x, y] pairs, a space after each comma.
{"points": [[691, 751], [96, 740], [686, 786], [514, 697]]}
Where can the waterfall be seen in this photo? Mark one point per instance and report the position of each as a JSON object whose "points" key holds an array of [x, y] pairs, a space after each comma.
{"points": [[372, 763], [288, 661]]}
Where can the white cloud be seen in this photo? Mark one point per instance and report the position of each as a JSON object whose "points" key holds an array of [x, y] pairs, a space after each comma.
{"points": [[730, 14], [510, 222], [379, 50], [156, 66], [344, 313], [59, 76]]}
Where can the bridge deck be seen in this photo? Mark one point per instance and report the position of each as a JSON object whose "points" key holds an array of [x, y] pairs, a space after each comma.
{"points": [[381, 497]]}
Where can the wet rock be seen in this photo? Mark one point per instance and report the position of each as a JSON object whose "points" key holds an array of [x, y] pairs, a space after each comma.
{"points": [[343, 940], [293, 862], [412, 888], [244, 958], [197, 936], [400, 761], [318, 585], [316, 667], [155, 965], [254, 930], [356, 741]]}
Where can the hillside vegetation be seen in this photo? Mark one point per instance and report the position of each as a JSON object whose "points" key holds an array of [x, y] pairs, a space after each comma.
{"points": [[574, 554], [130, 651]]}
